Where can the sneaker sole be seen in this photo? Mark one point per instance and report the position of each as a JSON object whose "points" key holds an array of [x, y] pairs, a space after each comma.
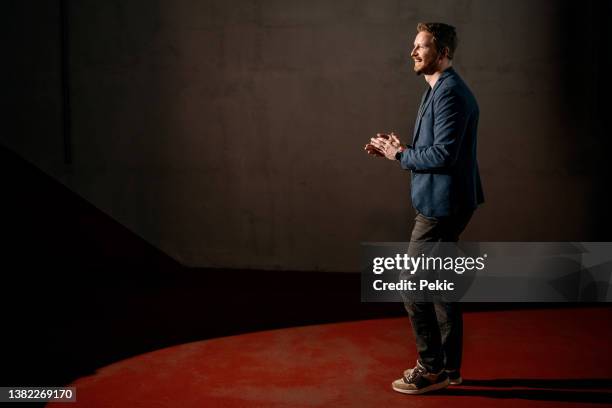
{"points": [[456, 381], [432, 387]]}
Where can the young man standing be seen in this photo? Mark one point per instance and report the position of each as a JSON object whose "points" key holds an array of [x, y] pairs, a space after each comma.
{"points": [[445, 190]]}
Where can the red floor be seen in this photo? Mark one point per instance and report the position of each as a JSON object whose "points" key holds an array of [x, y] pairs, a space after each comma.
{"points": [[538, 358]]}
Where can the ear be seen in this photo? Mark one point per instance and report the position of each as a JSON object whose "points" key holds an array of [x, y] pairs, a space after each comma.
{"points": [[444, 53]]}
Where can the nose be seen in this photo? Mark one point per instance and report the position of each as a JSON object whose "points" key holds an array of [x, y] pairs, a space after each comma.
{"points": [[414, 52]]}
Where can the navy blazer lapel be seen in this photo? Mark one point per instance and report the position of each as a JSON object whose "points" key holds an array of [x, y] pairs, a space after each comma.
{"points": [[417, 125], [422, 110], [420, 113]]}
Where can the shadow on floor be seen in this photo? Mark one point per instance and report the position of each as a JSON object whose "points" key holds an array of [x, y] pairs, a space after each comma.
{"points": [[562, 390]]}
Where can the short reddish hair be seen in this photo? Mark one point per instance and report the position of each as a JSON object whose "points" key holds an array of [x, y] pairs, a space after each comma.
{"points": [[444, 36]]}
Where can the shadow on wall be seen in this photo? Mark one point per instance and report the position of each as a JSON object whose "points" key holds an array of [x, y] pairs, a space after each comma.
{"points": [[584, 38]]}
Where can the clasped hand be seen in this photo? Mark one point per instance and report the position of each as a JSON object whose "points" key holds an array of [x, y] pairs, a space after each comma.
{"points": [[384, 145]]}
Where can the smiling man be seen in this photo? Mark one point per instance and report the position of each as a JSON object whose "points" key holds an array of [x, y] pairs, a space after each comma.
{"points": [[445, 190]]}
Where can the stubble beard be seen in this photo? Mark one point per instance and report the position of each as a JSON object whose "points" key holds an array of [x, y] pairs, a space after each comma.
{"points": [[427, 69]]}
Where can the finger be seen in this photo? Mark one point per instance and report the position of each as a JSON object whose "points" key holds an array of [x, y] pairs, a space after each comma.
{"points": [[373, 150]]}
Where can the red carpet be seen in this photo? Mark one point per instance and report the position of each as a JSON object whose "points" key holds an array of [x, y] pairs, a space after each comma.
{"points": [[549, 358]]}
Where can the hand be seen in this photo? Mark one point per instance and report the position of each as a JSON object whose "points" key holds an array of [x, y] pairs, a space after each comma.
{"points": [[395, 142], [386, 145], [373, 150], [370, 149]]}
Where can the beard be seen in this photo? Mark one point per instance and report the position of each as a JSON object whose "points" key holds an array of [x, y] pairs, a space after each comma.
{"points": [[428, 68]]}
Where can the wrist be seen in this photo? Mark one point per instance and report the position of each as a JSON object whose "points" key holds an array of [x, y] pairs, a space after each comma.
{"points": [[398, 154]]}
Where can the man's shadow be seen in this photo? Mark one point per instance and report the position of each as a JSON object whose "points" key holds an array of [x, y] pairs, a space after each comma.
{"points": [[563, 390]]}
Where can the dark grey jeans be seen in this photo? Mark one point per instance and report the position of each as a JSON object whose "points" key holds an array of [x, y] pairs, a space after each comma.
{"points": [[437, 325]]}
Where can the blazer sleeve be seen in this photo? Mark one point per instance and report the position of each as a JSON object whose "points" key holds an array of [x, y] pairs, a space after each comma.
{"points": [[451, 119]]}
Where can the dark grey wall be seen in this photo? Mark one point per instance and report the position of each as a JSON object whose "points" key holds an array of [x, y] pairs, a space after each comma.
{"points": [[31, 97], [230, 133]]}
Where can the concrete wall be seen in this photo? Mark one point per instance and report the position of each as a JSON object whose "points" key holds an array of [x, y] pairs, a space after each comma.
{"points": [[230, 133], [31, 97]]}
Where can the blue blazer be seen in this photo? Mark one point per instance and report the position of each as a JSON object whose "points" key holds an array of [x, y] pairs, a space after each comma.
{"points": [[445, 177]]}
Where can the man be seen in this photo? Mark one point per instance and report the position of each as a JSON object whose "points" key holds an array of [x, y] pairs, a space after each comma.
{"points": [[445, 190]]}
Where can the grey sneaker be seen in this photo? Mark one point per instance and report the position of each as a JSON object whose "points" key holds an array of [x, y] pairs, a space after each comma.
{"points": [[420, 381], [454, 376]]}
